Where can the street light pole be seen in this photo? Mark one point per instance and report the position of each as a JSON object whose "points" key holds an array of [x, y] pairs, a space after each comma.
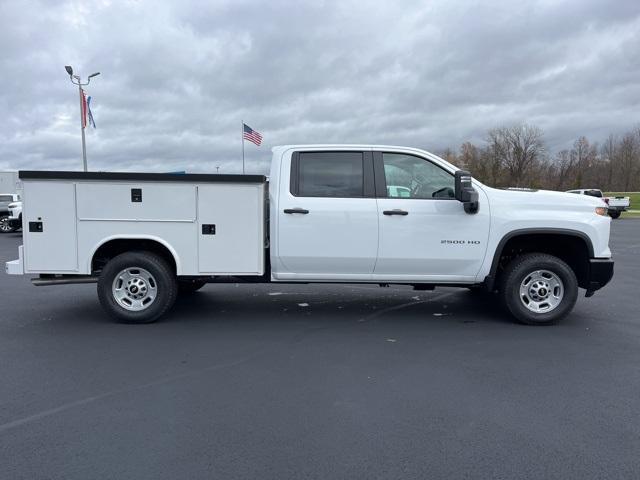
{"points": [[80, 93], [84, 144]]}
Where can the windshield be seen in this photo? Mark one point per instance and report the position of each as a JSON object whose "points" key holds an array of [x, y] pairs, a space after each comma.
{"points": [[593, 193]]}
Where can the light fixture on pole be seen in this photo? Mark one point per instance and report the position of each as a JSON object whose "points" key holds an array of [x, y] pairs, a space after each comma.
{"points": [[78, 82]]}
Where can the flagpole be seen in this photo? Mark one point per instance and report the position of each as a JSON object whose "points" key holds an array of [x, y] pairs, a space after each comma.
{"points": [[242, 138]]}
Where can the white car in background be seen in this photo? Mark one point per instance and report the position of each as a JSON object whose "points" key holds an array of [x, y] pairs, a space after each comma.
{"points": [[7, 199], [15, 215], [615, 205]]}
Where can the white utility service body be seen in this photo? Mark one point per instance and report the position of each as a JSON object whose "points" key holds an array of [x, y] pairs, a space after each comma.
{"points": [[327, 213], [69, 216]]}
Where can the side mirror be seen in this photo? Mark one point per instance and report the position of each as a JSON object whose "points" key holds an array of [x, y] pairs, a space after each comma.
{"points": [[465, 192]]}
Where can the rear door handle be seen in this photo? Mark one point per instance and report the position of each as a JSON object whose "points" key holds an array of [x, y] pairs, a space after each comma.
{"points": [[395, 211], [296, 210]]}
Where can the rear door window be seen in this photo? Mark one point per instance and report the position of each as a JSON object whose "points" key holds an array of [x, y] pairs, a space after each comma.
{"points": [[328, 174]]}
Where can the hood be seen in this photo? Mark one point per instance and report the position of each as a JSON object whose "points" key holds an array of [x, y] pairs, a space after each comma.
{"points": [[544, 197]]}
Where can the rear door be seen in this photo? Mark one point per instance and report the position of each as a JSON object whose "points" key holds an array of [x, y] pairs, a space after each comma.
{"points": [[327, 216], [425, 234]]}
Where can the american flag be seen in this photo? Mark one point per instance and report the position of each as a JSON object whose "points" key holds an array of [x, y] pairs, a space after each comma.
{"points": [[250, 134]]}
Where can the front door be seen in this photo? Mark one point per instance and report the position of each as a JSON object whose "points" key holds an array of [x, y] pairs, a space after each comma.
{"points": [[425, 234], [327, 217]]}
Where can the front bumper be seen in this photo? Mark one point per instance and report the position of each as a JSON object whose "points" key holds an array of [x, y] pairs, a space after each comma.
{"points": [[600, 273]]}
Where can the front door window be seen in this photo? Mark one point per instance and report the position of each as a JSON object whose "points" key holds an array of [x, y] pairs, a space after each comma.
{"points": [[409, 176]]}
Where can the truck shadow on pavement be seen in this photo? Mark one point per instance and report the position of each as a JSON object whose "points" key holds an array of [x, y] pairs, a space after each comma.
{"points": [[337, 305]]}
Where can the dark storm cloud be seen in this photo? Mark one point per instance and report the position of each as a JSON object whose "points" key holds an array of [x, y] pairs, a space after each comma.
{"points": [[178, 77]]}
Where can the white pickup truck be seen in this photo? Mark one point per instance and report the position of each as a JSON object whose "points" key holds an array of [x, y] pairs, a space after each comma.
{"points": [[327, 213], [615, 205]]}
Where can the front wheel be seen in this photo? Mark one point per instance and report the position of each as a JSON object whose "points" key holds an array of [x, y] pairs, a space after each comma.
{"points": [[539, 289], [137, 287], [614, 214], [5, 225]]}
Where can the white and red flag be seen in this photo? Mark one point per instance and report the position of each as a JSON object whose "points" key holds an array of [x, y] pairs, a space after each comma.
{"points": [[87, 114]]}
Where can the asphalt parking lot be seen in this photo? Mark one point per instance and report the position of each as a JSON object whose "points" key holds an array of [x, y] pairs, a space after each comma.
{"points": [[269, 381]]}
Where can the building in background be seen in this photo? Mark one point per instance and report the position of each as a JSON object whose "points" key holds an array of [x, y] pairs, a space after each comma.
{"points": [[10, 183]]}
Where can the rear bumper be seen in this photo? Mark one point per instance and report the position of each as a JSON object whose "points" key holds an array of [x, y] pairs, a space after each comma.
{"points": [[600, 273], [16, 267]]}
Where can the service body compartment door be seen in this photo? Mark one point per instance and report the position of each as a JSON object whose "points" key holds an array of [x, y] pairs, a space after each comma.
{"points": [[231, 229], [49, 215], [144, 201]]}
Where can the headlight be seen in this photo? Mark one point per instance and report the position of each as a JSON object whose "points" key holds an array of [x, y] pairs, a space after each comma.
{"points": [[601, 211], [12, 205]]}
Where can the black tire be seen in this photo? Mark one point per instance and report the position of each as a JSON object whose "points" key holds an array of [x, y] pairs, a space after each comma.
{"points": [[164, 281], [614, 214], [190, 285], [5, 225], [517, 271]]}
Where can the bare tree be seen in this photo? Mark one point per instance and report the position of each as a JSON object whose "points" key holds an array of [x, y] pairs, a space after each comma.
{"points": [[583, 157], [515, 156], [564, 165], [629, 150], [608, 154], [450, 156], [493, 158], [469, 158], [517, 148]]}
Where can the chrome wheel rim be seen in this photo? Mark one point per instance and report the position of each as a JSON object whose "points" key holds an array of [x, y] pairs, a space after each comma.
{"points": [[134, 289], [4, 225], [541, 291]]}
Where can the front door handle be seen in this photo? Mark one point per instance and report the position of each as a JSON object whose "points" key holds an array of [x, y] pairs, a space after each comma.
{"points": [[296, 210], [395, 211]]}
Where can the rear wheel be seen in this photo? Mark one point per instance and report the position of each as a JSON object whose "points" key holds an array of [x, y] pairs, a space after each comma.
{"points": [[137, 287], [614, 214], [539, 289], [5, 225]]}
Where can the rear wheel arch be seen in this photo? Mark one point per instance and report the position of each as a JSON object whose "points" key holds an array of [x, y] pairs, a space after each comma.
{"points": [[111, 247]]}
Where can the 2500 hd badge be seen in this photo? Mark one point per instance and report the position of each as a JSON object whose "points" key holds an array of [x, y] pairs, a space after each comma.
{"points": [[460, 242]]}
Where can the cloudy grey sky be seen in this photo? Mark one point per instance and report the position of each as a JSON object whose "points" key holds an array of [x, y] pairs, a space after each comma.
{"points": [[178, 76]]}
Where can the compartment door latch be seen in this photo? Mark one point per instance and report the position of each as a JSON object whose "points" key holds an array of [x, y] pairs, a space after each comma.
{"points": [[136, 195], [208, 229], [35, 227]]}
